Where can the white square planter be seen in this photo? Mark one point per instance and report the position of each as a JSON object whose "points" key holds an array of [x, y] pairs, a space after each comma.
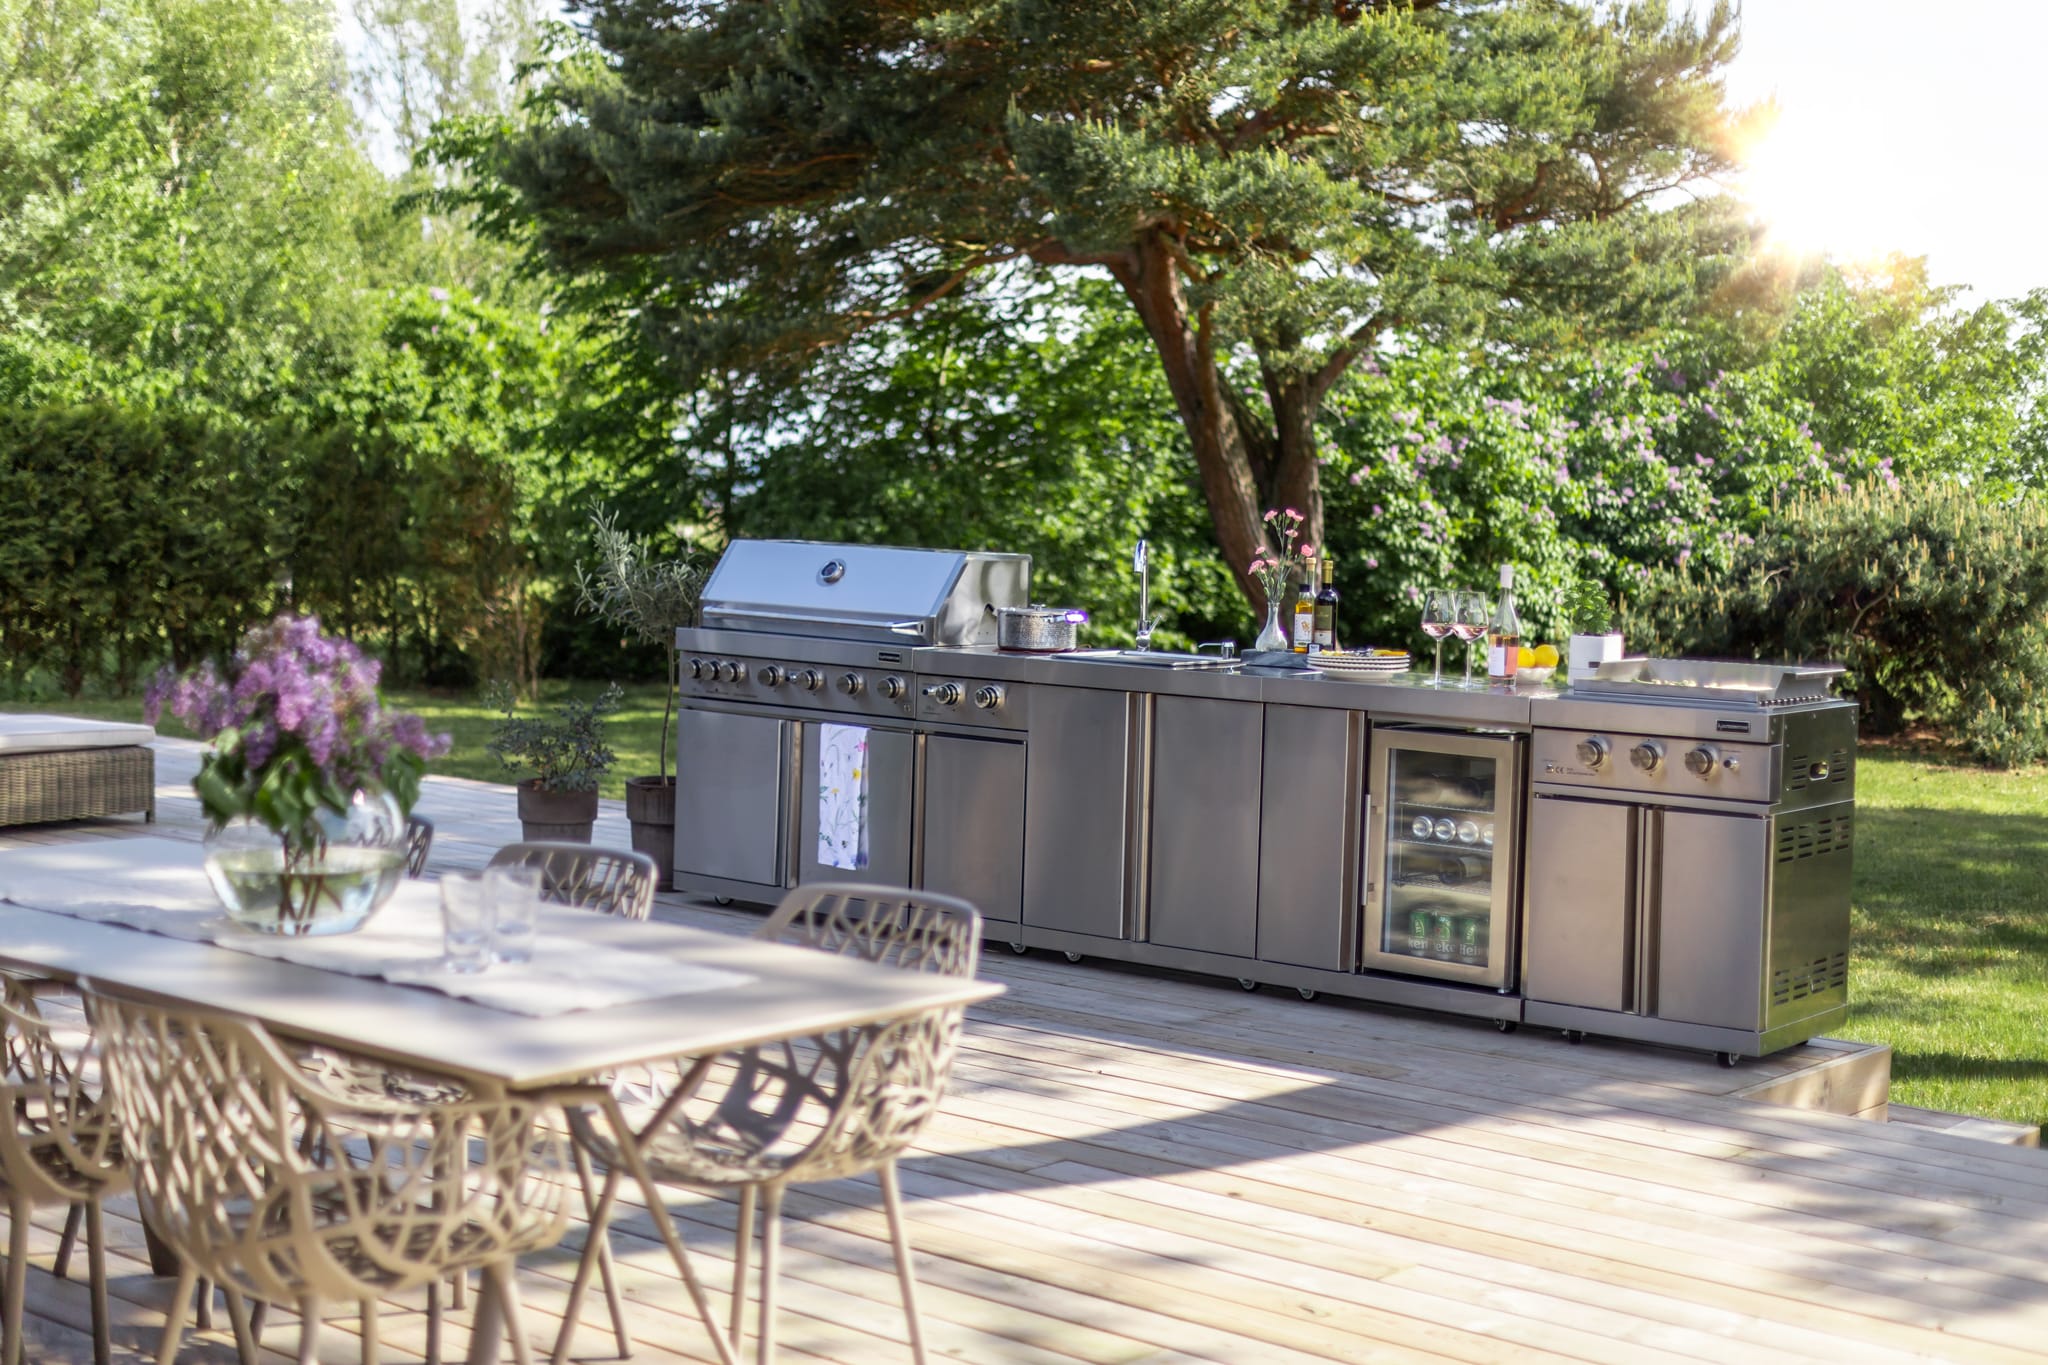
{"points": [[1588, 652]]}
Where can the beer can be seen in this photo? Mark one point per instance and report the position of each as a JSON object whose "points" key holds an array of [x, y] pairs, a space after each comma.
{"points": [[1419, 925], [1471, 943], [1443, 937]]}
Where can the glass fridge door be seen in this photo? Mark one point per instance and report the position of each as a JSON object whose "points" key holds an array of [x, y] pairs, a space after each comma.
{"points": [[1442, 856]]}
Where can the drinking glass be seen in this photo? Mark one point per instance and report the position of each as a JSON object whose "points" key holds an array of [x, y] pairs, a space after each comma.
{"points": [[512, 895], [465, 923], [1473, 612], [1439, 614]]}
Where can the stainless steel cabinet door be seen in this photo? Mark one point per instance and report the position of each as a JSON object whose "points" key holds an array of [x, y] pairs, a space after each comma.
{"points": [[1710, 935], [1077, 780], [1205, 825], [1308, 846], [731, 795], [973, 835], [891, 775], [1581, 903]]}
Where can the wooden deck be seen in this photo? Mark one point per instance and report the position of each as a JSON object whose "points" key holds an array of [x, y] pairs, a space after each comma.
{"points": [[1139, 1167]]}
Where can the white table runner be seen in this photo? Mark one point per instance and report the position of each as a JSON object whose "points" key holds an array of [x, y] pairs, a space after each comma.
{"points": [[159, 886]]}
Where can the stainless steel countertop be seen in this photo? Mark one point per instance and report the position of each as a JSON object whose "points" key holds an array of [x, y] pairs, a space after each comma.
{"points": [[1404, 696]]}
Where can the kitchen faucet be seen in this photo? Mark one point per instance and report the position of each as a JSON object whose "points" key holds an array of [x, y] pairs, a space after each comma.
{"points": [[1138, 566]]}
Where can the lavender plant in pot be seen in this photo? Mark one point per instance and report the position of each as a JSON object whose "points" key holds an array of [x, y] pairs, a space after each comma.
{"points": [[307, 778], [649, 598], [567, 756]]}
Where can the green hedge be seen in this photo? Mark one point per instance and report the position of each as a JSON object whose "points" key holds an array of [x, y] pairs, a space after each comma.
{"points": [[1935, 597]]}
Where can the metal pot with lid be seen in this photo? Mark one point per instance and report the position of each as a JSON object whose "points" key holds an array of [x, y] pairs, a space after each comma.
{"points": [[1038, 629]]}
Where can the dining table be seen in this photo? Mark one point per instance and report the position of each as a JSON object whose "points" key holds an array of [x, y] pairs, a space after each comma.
{"points": [[601, 994]]}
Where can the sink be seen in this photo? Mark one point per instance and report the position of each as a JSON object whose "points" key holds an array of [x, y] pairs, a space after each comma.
{"points": [[1152, 658]]}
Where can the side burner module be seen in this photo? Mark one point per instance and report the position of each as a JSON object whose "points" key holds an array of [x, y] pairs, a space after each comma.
{"points": [[1690, 852]]}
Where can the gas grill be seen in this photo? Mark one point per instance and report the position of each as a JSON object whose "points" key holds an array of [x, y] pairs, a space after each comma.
{"points": [[803, 678], [1689, 855]]}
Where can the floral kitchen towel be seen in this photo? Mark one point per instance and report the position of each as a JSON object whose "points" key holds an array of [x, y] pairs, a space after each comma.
{"points": [[843, 795]]}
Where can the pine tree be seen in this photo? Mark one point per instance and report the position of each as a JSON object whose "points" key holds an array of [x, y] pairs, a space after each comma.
{"points": [[1278, 187]]}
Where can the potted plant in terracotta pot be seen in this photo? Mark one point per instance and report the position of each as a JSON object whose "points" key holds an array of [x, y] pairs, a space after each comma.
{"points": [[567, 756], [1594, 638], [650, 599]]}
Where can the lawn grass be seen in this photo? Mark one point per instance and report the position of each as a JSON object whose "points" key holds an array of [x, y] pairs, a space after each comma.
{"points": [[1950, 946]]}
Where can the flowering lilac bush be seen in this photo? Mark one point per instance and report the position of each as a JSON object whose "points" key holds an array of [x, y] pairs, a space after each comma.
{"points": [[296, 728], [1441, 469]]}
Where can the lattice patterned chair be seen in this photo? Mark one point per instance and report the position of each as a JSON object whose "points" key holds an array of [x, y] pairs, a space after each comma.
{"points": [[817, 1108], [288, 1189], [59, 1146], [604, 879]]}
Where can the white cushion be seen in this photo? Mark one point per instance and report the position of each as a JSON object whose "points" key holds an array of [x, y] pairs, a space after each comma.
{"points": [[53, 734]]}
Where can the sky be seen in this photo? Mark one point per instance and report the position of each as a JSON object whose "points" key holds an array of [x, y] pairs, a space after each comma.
{"points": [[1905, 126]]}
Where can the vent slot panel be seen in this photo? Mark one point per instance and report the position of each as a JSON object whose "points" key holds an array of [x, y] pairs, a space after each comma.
{"points": [[1812, 838], [1815, 977]]}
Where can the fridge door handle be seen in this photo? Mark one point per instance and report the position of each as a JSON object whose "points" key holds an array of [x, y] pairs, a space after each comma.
{"points": [[1649, 908], [1371, 841]]}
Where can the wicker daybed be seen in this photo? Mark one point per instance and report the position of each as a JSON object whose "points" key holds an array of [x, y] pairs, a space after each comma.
{"points": [[64, 768]]}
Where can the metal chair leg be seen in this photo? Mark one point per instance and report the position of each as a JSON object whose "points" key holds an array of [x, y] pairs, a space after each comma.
{"points": [[96, 1274], [62, 1268], [742, 1246], [434, 1322], [238, 1318], [771, 1249], [503, 1276], [599, 1223], [367, 1314], [309, 1332], [14, 1303], [174, 1316], [906, 1270]]}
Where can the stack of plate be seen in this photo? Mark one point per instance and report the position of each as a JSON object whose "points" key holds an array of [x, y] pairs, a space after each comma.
{"points": [[1366, 663]]}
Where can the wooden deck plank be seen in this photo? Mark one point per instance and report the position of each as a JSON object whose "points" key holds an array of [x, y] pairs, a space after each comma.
{"points": [[1140, 1166]]}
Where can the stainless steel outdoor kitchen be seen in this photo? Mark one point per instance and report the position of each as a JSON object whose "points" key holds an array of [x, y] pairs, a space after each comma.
{"points": [[1661, 853]]}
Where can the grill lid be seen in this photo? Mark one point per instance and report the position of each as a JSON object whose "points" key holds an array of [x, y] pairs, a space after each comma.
{"points": [[864, 592], [1711, 682]]}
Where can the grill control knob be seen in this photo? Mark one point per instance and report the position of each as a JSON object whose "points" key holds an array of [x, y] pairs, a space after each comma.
{"points": [[1648, 756], [988, 697], [1701, 761], [810, 680], [893, 687], [735, 671], [852, 684], [771, 676], [945, 693], [697, 668], [1593, 752], [1732, 763]]}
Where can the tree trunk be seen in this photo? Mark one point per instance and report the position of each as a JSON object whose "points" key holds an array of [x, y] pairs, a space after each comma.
{"points": [[1244, 469]]}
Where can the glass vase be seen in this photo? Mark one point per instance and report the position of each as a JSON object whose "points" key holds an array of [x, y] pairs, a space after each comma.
{"points": [[331, 888], [1272, 637]]}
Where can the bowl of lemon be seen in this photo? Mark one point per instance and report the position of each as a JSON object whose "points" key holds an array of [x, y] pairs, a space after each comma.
{"points": [[1536, 664]]}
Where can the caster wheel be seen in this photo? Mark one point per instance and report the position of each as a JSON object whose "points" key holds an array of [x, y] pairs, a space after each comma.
{"points": [[1574, 1036], [1019, 949], [721, 900], [1505, 1025], [1304, 992], [1247, 983], [1728, 1058], [1073, 957]]}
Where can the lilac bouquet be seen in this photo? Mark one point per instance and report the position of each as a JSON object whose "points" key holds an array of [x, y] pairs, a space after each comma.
{"points": [[1276, 568], [296, 730]]}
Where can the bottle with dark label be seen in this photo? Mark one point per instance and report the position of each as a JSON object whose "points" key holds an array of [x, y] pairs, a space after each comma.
{"points": [[1326, 610], [1504, 631], [1305, 613]]}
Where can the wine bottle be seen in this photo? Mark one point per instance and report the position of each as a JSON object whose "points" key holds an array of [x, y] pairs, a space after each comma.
{"points": [[1504, 631], [1305, 613], [1326, 610]]}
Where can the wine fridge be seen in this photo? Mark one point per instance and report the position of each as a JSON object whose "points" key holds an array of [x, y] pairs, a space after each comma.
{"points": [[1443, 816]]}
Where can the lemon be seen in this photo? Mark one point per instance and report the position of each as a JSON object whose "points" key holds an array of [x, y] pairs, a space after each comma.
{"points": [[1546, 656], [1525, 657]]}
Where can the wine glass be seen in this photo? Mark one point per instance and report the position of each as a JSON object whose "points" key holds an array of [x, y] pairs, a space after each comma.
{"points": [[1439, 612], [1473, 612]]}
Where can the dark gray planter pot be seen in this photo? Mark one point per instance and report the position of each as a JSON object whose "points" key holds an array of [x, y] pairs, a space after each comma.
{"points": [[651, 810], [565, 817]]}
